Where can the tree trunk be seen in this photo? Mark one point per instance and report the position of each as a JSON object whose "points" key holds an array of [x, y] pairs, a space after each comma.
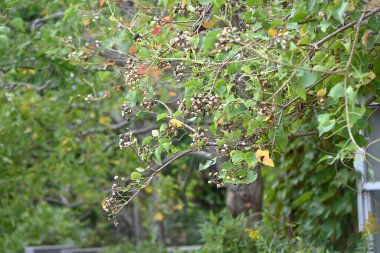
{"points": [[246, 199]]}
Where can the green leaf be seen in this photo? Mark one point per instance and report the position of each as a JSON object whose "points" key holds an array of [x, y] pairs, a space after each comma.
{"points": [[312, 6], [352, 96], [250, 158], [4, 30], [237, 156], [340, 12], [337, 91], [147, 140], [4, 41], [374, 23], [140, 169], [157, 155], [135, 176], [301, 91], [203, 2], [254, 2], [227, 166], [162, 116], [167, 3], [250, 177], [163, 127], [325, 124], [219, 3], [307, 78], [292, 26], [207, 164], [302, 199], [167, 146], [282, 139], [324, 25], [18, 24]]}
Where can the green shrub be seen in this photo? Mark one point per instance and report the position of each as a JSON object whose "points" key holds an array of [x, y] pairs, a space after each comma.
{"points": [[223, 233], [43, 224]]}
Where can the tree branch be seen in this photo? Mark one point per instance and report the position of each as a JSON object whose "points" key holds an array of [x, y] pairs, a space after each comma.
{"points": [[40, 21], [302, 134], [344, 28]]}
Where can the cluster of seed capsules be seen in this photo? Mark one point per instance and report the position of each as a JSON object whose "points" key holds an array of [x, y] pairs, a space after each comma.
{"points": [[163, 65], [223, 150], [126, 140], [181, 40], [111, 204], [226, 39], [181, 8], [264, 109], [281, 38], [89, 98], [199, 139], [233, 4], [214, 179], [179, 71], [204, 104], [148, 103], [126, 111], [132, 78], [129, 63]]}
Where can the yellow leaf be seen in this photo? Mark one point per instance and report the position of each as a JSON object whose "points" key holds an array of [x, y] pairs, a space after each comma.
{"points": [[210, 23], [263, 157], [117, 88], [108, 63], [272, 32], [178, 207], [65, 141], [260, 153], [86, 22], [132, 50], [159, 217], [175, 123], [26, 71], [322, 92], [220, 120], [365, 38], [268, 161], [369, 77], [104, 120], [25, 106], [184, 2], [148, 190]]}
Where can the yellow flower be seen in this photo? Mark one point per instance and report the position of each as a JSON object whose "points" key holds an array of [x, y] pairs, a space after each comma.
{"points": [[253, 234], [175, 123]]}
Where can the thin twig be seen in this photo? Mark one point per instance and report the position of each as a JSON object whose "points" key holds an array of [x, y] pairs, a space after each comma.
{"points": [[354, 44]]}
